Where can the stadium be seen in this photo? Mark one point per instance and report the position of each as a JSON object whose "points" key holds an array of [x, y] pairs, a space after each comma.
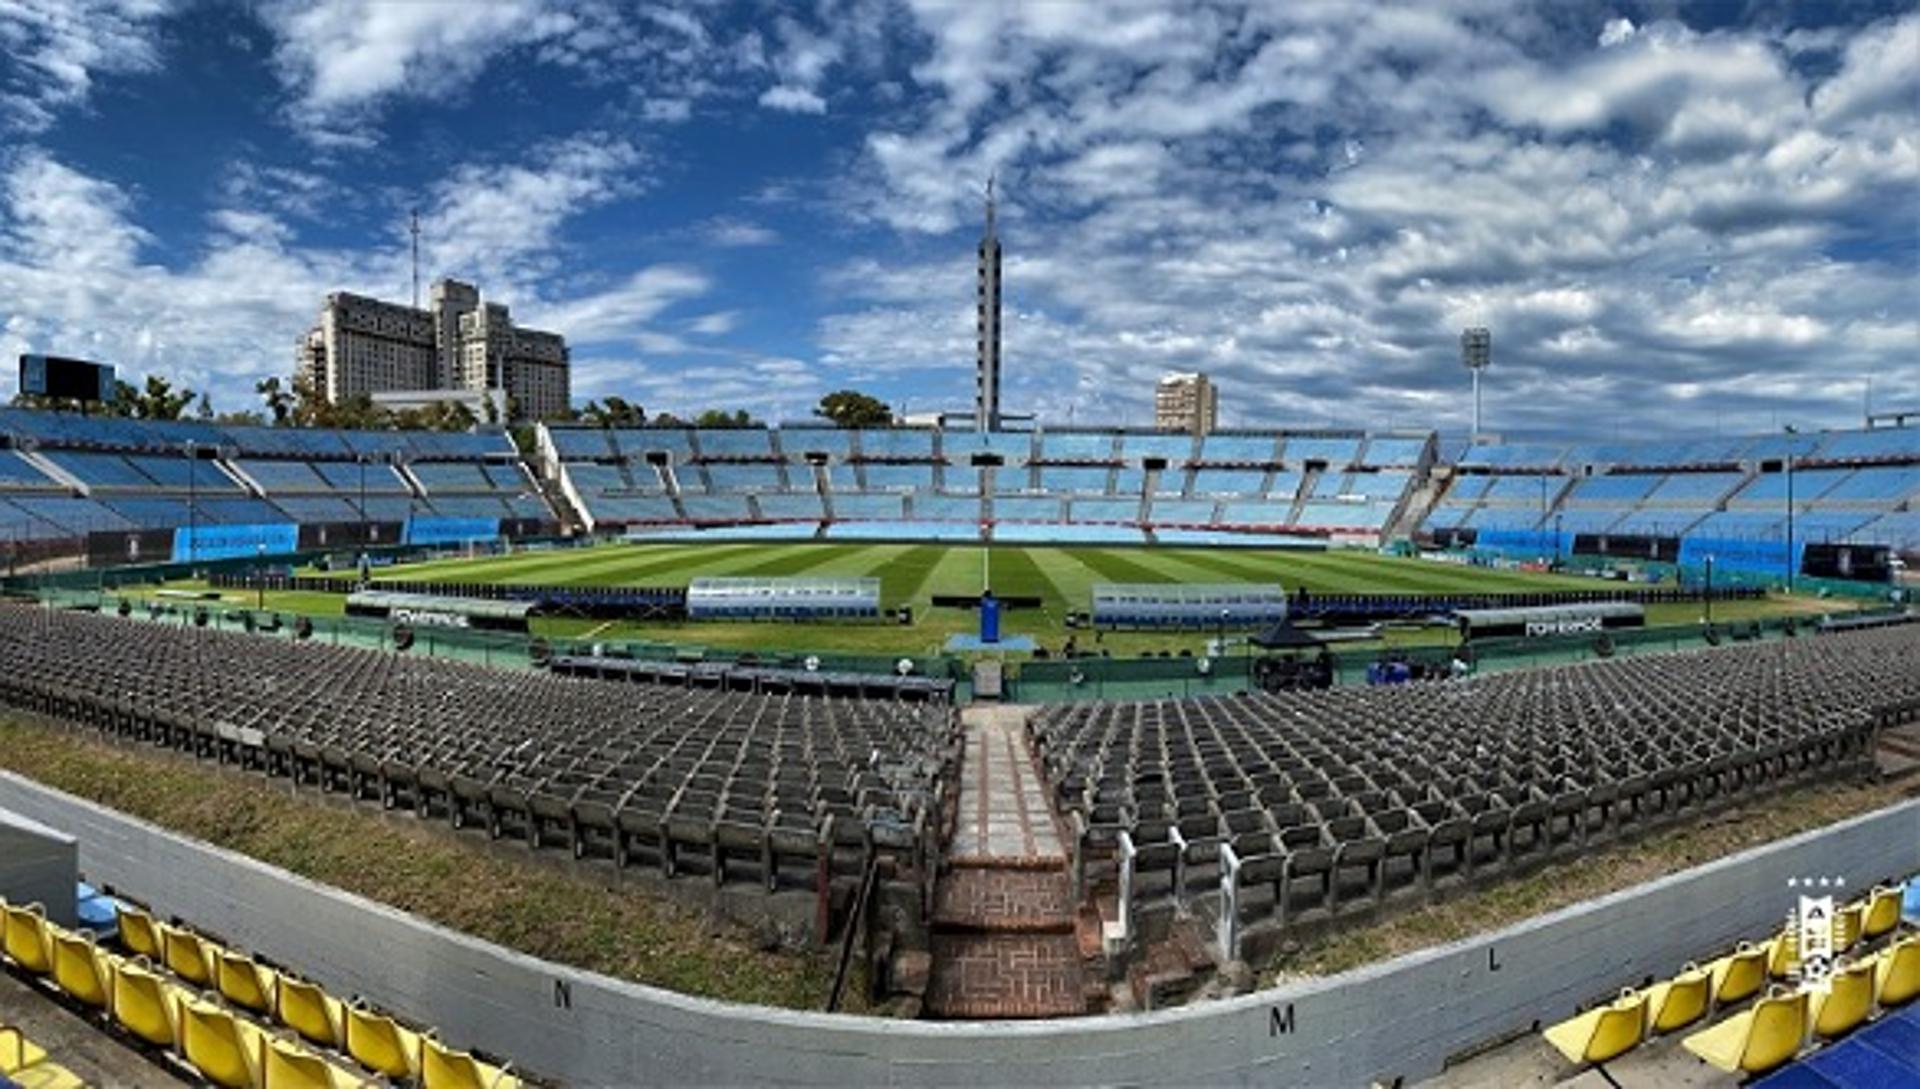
{"points": [[456, 723]]}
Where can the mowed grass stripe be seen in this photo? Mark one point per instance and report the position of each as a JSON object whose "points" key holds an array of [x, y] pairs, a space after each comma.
{"points": [[787, 561], [903, 574], [1112, 566], [1017, 573], [668, 570]]}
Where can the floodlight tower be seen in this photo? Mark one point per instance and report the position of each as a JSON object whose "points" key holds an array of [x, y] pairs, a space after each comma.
{"points": [[1476, 353]]}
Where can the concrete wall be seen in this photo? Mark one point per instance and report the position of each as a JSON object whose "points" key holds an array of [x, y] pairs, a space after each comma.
{"points": [[38, 865], [1399, 1019]]}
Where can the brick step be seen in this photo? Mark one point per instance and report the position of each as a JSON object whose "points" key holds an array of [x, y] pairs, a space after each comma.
{"points": [[1010, 901], [1904, 744], [1004, 976]]}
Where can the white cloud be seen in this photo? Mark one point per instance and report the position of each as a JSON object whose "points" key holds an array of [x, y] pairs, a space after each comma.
{"points": [[55, 49], [792, 100], [1881, 73], [736, 233]]}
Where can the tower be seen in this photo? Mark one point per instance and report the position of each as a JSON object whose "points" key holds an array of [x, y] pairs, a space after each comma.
{"points": [[1476, 354], [986, 379]]}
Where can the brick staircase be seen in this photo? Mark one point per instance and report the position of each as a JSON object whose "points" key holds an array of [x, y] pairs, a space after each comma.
{"points": [[1898, 757], [1007, 937]]}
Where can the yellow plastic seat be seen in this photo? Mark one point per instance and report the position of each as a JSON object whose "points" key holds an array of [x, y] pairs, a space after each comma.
{"points": [[244, 982], [1756, 1040], [1896, 977], [310, 1011], [1883, 911], [47, 1075], [145, 1004], [139, 933], [1846, 926], [81, 968], [288, 1065], [1846, 1002], [1679, 1001], [1738, 974], [1603, 1032], [27, 943], [223, 1048], [378, 1042], [443, 1068], [17, 1052], [188, 955], [1783, 954]]}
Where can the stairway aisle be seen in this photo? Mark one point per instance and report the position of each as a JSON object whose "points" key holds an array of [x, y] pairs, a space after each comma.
{"points": [[1005, 941]]}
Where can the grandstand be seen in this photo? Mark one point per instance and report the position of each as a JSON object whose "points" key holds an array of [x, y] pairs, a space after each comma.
{"points": [[98, 484]]}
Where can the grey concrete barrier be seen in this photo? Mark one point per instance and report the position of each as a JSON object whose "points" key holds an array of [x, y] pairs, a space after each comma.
{"points": [[1399, 1019], [38, 865]]}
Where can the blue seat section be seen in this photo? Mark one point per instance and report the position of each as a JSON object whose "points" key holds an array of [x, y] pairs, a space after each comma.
{"points": [[798, 442], [762, 531], [1254, 512], [1760, 555], [1900, 529], [1028, 508], [1693, 489], [1322, 515], [966, 481], [1878, 485], [71, 516], [1506, 518], [346, 476], [466, 506], [1384, 485], [1330, 485], [1285, 484], [1338, 453], [1228, 481], [791, 507], [1067, 533], [1588, 519], [946, 508], [582, 443], [283, 476], [239, 512], [180, 473], [451, 476], [635, 443], [899, 531], [1515, 456], [100, 470], [738, 478], [873, 507], [317, 508], [1129, 481], [1472, 487], [1771, 488], [1741, 523], [1828, 526], [1176, 449], [1055, 478], [1539, 489], [1181, 536], [1239, 449], [1103, 510], [1182, 511], [1389, 452], [1614, 488], [1902, 442], [1659, 522], [389, 508], [1449, 514], [745, 442], [916, 477], [715, 508], [633, 508], [17, 472], [18, 525], [1068, 446], [1780, 446], [591, 477], [898, 443], [959, 447], [150, 512], [455, 445], [505, 476]]}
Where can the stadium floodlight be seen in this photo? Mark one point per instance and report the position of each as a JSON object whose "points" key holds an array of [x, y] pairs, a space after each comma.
{"points": [[1476, 354]]}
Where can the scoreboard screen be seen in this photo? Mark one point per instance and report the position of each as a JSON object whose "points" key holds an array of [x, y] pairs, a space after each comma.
{"points": [[57, 376]]}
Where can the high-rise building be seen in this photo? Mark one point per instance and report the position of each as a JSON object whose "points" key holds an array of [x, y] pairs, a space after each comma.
{"points": [[1187, 402], [362, 345], [986, 379]]}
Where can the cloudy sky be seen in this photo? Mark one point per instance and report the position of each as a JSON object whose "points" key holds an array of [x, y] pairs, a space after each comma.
{"points": [[1673, 216]]}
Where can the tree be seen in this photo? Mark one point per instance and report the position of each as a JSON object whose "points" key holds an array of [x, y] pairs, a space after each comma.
{"points": [[205, 408], [667, 419], [720, 418], [159, 401], [278, 399], [849, 408]]}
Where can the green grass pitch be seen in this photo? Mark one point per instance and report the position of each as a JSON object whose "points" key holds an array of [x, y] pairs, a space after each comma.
{"points": [[912, 574]]}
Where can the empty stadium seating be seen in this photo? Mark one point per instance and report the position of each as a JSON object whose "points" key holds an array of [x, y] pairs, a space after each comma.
{"points": [[733, 786], [1323, 802]]}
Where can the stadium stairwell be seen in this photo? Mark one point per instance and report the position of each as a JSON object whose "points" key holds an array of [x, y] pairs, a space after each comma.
{"points": [[1006, 930]]}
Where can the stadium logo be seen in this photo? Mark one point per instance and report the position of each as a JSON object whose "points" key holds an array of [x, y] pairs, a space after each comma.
{"points": [[1577, 626], [432, 617]]}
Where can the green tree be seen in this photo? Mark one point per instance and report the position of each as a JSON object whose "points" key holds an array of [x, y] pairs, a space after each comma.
{"points": [[849, 408], [721, 418], [278, 398]]}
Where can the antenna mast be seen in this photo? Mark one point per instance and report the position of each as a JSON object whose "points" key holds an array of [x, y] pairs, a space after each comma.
{"points": [[413, 228]]}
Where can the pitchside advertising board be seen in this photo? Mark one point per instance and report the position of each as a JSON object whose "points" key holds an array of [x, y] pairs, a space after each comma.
{"points": [[58, 376]]}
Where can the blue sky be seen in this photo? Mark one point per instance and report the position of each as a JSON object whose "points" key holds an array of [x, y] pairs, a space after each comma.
{"points": [[1673, 216]]}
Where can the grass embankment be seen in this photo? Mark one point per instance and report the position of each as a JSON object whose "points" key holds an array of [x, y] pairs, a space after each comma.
{"points": [[1590, 876], [557, 913]]}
